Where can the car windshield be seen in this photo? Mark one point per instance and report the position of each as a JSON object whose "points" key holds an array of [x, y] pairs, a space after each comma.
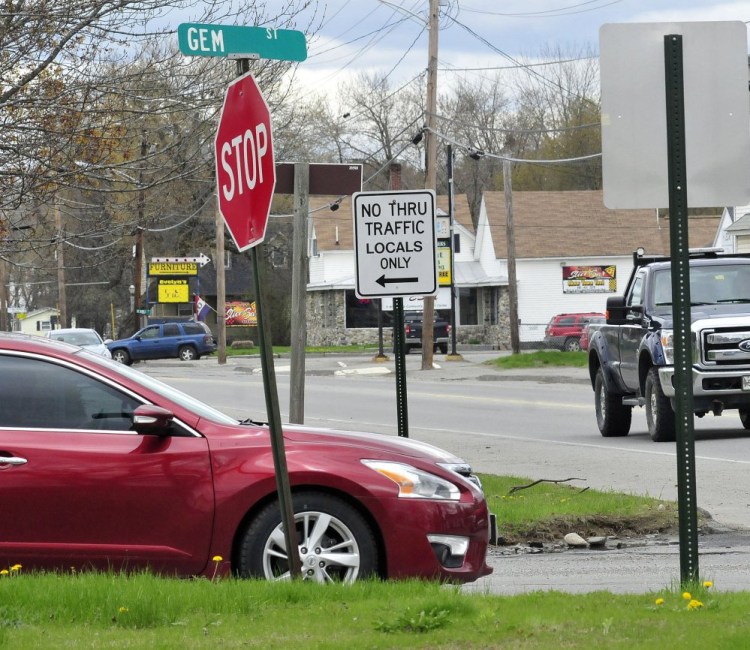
{"points": [[171, 393], [77, 338], [709, 285]]}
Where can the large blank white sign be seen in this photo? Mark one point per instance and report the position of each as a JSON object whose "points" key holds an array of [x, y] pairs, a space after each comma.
{"points": [[717, 114]]}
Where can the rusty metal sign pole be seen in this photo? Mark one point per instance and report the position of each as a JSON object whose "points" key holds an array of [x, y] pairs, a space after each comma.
{"points": [[272, 406]]}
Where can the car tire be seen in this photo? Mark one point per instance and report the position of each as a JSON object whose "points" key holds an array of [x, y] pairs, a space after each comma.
{"points": [[353, 555], [121, 356], [659, 413], [745, 418], [443, 347], [612, 417], [187, 353], [572, 344]]}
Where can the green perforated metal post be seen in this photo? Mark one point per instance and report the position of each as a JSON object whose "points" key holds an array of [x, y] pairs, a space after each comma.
{"points": [[679, 252]]}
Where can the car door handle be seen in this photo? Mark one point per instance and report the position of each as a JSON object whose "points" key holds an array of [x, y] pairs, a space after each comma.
{"points": [[12, 460]]}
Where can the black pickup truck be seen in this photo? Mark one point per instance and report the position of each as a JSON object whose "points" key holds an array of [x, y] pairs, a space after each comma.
{"points": [[631, 360], [413, 332]]}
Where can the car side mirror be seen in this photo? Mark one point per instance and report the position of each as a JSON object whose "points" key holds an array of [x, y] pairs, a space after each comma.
{"points": [[616, 310], [150, 419]]}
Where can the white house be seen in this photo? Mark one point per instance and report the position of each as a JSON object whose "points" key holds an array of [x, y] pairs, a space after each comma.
{"points": [[39, 321], [571, 251]]}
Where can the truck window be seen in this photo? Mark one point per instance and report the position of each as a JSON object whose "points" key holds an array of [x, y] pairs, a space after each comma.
{"points": [[662, 288], [636, 294]]}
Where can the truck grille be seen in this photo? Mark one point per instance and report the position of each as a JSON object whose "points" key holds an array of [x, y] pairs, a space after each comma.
{"points": [[727, 347]]}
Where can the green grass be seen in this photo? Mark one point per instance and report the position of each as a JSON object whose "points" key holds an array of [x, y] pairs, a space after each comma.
{"points": [[285, 349], [540, 359], [548, 511], [140, 611]]}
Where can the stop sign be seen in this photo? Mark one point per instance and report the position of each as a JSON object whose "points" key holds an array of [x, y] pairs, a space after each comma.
{"points": [[245, 170]]}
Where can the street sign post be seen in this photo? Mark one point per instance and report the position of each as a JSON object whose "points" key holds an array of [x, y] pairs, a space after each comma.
{"points": [[239, 41], [394, 243], [395, 256], [245, 169], [201, 260]]}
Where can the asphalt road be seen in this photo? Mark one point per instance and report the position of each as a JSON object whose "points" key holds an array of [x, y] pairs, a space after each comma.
{"points": [[537, 424]]}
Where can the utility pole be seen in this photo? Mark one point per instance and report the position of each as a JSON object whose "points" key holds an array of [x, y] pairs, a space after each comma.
{"points": [[300, 266], [3, 296], [61, 297], [515, 343], [221, 298], [139, 239], [428, 310]]}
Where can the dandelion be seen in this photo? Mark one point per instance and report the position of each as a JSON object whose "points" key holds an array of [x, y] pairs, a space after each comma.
{"points": [[16, 567], [687, 595], [218, 560], [708, 584], [122, 610], [4, 572], [659, 601], [695, 604]]}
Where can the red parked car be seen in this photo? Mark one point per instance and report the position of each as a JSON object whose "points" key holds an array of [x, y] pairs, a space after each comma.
{"points": [[105, 467], [564, 331]]}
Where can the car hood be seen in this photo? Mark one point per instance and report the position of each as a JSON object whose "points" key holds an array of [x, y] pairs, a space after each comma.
{"points": [[373, 442], [715, 313]]}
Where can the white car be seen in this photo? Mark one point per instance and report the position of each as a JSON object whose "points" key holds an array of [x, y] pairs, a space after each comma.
{"points": [[82, 337]]}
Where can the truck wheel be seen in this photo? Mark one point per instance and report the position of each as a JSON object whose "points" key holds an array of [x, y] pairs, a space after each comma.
{"points": [[612, 416], [572, 345], [659, 413], [745, 418]]}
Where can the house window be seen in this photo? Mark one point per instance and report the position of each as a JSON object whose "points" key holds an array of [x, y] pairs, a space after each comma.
{"points": [[467, 301]]}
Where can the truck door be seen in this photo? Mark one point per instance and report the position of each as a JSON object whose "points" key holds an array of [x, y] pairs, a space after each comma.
{"points": [[631, 334]]}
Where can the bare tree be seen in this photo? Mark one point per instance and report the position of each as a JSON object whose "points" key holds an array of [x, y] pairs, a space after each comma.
{"points": [[107, 123]]}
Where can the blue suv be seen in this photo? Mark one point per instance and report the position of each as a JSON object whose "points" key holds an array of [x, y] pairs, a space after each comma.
{"points": [[186, 341]]}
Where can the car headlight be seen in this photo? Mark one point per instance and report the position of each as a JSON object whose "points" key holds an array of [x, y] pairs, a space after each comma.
{"points": [[667, 344], [414, 483]]}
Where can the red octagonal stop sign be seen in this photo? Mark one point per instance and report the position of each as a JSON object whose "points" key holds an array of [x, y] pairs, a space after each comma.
{"points": [[245, 170]]}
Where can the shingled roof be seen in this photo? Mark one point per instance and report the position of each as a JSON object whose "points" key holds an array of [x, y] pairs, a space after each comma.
{"points": [[326, 222], [577, 224]]}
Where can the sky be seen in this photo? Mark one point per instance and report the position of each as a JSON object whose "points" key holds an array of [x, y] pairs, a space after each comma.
{"points": [[389, 36]]}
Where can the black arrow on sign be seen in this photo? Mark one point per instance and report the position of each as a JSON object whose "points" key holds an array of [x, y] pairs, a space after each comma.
{"points": [[382, 280]]}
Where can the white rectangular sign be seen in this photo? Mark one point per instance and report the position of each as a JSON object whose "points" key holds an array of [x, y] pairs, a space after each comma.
{"points": [[634, 123], [416, 303], [394, 243]]}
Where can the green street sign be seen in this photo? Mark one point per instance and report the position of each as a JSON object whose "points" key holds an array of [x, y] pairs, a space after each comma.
{"points": [[196, 39], [143, 312]]}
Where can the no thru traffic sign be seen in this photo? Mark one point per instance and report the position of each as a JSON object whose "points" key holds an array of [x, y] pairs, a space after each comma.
{"points": [[394, 243]]}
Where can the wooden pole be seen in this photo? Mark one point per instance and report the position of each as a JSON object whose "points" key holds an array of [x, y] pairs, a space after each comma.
{"points": [[61, 296], [299, 293], [221, 297], [515, 341], [428, 311]]}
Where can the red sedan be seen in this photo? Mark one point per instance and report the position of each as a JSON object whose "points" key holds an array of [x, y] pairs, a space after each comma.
{"points": [[104, 467]]}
